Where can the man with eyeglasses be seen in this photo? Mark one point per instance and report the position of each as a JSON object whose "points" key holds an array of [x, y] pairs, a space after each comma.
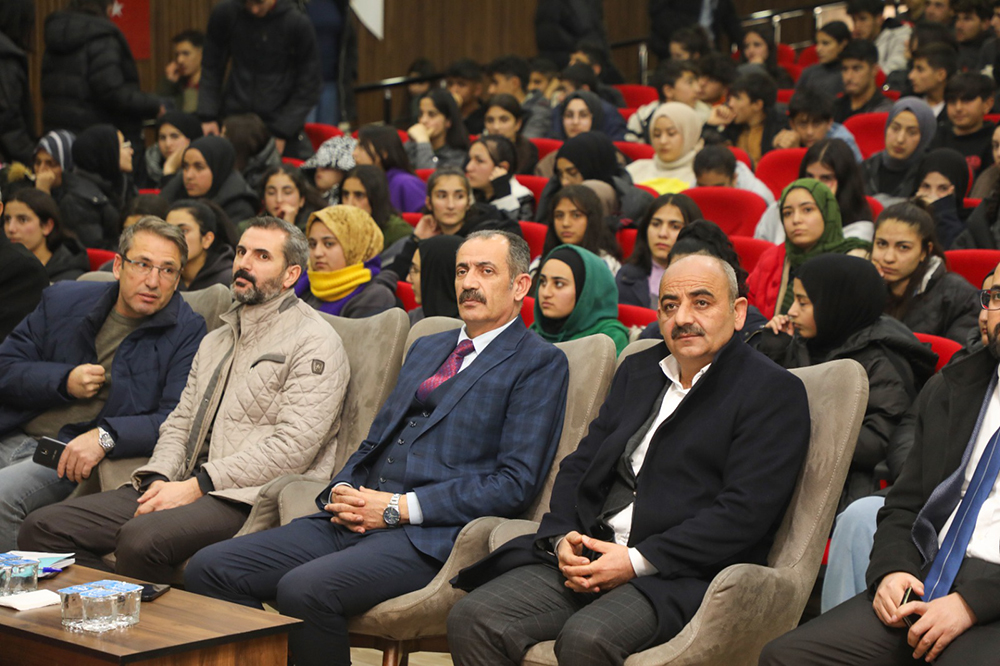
{"points": [[97, 366], [262, 400], [934, 574]]}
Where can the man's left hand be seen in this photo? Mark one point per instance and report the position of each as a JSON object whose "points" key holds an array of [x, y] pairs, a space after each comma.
{"points": [[611, 569], [80, 456], [942, 621], [360, 510], [164, 495]]}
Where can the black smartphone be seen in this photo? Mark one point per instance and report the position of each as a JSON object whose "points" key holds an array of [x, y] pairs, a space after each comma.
{"points": [[48, 452], [152, 591], [908, 619]]}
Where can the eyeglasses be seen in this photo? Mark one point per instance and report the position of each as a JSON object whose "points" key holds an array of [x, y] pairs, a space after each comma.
{"points": [[167, 274], [990, 299]]}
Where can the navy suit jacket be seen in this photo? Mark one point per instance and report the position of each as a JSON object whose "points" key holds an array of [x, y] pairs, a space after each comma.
{"points": [[487, 446]]}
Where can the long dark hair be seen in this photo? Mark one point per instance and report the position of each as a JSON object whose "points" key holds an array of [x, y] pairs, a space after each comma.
{"points": [[919, 217], [308, 193], [376, 189], [501, 149], [765, 32], [210, 217], [45, 208], [836, 156], [598, 237], [248, 134], [384, 142], [642, 256], [456, 135]]}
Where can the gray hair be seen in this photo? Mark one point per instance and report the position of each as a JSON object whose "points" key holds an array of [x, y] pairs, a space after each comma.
{"points": [[161, 228], [518, 252], [296, 249]]}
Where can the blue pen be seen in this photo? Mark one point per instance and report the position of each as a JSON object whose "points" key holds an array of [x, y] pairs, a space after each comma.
{"points": [[51, 570]]}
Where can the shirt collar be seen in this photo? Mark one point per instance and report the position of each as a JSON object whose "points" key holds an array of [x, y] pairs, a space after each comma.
{"points": [[482, 341], [672, 369]]}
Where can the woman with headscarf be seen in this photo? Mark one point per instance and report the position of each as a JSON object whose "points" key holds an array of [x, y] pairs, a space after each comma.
{"points": [[909, 130], [576, 297], [344, 264], [675, 135], [580, 112], [432, 274], [812, 223], [53, 162], [175, 131], [208, 170], [100, 189], [837, 314], [592, 156], [943, 179]]}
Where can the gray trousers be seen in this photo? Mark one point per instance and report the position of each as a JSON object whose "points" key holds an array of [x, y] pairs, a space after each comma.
{"points": [[500, 621], [147, 547]]}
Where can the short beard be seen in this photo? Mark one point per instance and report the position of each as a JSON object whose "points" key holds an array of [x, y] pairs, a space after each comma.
{"points": [[256, 295], [993, 341]]}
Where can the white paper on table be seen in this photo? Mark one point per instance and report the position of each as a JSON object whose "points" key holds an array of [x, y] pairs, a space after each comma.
{"points": [[30, 600]]}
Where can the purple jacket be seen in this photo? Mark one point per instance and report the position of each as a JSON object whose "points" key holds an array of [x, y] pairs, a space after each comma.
{"points": [[407, 193]]}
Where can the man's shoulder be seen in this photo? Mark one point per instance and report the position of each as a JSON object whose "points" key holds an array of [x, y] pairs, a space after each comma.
{"points": [[71, 296]]}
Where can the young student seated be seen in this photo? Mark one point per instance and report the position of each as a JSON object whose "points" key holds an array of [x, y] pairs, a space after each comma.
{"points": [[990, 176], [510, 74], [759, 52], [676, 81], [505, 117], [689, 43], [580, 78], [969, 97], [888, 35], [439, 139], [972, 29], [544, 78], [909, 131], [749, 119], [465, 82], [717, 73], [811, 118], [576, 217], [592, 56], [327, 169], [943, 178], [490, 168], [858, 67], [824, 76], [676, 137], [716, 166], [933, 65]]}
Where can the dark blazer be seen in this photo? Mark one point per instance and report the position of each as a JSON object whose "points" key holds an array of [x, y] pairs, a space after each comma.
{"points": [[486, 448], [714, 486], [946, 412]]}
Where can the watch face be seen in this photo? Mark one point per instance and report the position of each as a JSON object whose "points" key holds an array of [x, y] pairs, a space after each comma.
{"points": [[391, 516]]}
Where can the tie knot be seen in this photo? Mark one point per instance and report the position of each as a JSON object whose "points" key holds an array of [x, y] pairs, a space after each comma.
{"points": [[465, 347]]}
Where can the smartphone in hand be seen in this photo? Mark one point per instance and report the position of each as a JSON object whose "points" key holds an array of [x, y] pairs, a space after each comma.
{"points": [[48, 452], [908, 619]]}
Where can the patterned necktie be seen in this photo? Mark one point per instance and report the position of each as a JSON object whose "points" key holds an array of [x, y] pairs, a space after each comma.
{"points": [[447, 370], [952, 552]]}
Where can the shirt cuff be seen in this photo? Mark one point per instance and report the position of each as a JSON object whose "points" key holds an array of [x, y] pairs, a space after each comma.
{"points": [[413, 508], [640, 564], [149, 479], [329, 499], [205, 483]]}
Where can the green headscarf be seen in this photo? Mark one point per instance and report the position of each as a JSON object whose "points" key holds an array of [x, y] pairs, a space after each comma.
{"points": [[596, 309], [831, 242]]}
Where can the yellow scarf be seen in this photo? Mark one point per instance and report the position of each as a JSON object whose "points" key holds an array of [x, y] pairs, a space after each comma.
{"points": [[334, 285]]}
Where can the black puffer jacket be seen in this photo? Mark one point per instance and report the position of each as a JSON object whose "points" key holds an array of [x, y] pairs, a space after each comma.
{"points": [[982, 230], [17, 136], [218, 269], [897, 365], [234, 197], [275, 66], [665, 16], [946, 305], [88, 212], [874, 165], [68, 261], [562, 24], [89, 76]]}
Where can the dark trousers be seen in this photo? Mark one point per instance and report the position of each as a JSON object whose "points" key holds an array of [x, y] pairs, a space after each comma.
{"points": [[500, 621], [318, 572], [147, 547], [852, 634]]}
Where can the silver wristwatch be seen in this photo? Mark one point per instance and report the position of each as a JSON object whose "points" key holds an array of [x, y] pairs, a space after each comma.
{"points": [[391, 513], [106, 440]]}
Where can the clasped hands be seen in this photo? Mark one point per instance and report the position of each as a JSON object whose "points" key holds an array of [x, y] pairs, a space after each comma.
{"points": [[361, 509], [611, 569]]}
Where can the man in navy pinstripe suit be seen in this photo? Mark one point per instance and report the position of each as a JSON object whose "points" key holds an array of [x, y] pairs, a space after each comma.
{"points": [[470, 430]]}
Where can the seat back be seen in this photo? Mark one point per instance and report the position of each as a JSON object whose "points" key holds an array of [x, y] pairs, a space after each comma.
{"points": [[749, 250], [534, 234], [807, 56], [404, 292], [742, 156], [626, 239], [546, 146], [210, 303], [374, 347], [412, 219], [534, 183], [627, 112], [98, 258], [637, 95], [634, 315], [97, 276], [424, 174], [292, 161], [429, 326], [869, 131], [876, 207], [528, 311], [736, 211], [945, 348], [320, 132], [785, 95], [777, 168], [794, 71], [635, 151], [973, 265], [786, 54]]}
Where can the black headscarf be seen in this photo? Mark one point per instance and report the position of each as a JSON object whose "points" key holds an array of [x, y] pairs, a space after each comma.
{"points": [[437, 276], [593, 154], [187, 123], [571, 258], [220, 156], [847, 295], [96, 150], [949, 163], [593, 103]]}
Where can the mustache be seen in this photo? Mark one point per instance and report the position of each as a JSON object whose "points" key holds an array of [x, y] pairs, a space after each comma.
{"points": [[686, 329], [242, 273], [471, 295]]}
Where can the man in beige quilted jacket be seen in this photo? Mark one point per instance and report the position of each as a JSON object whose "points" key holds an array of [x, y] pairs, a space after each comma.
{"points": [[263, 400]]}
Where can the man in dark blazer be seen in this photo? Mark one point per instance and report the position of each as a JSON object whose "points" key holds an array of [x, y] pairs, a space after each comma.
{"points": [[957, 412], [687, 469], [445, 449]]}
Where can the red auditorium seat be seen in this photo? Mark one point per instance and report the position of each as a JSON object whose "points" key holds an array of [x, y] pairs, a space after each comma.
{"points": [[627, 111], [528, 311], [626, 239], [319, 132], [777, 168], [292, 161], [412, 218], [635, 151], [546, 146], [971, 204], [786, 54], [424, 174], [880, 78], [403, 136], [894, 95], [534, 234], [876, 207], [992, 118], [807, 56], [736, 211], [98, 258], [742, 156], [637, 95], [633, 315], [404, 292], [649, 190], [794, 71], [973, 265], [534, 183], [785, 95], [869, 131], [749, 250], [943, 347], [149, 192]]}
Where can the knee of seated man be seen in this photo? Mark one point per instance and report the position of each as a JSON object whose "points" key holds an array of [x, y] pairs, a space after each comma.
{"points": [[30, 536], [779, 651], [299, 595], [584, 637], [138, 541]]}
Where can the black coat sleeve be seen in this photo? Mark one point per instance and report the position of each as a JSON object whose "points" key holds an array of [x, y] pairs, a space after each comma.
{"points": [[17, 142], [215, 57], [290, 118], [108, 57]]}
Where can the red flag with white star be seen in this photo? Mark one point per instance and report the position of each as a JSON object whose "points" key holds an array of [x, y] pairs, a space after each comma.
{"points": [[132, 17]]}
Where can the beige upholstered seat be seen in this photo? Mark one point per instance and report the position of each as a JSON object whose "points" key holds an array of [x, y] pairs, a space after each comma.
{"points": [[748, 605], [416, 621]]}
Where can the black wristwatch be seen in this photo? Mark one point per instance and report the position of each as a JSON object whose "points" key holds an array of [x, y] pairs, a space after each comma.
{"points": [[391, 513]]}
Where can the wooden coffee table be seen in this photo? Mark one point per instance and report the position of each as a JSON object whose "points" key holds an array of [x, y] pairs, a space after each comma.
{"points": [[177, 629]]}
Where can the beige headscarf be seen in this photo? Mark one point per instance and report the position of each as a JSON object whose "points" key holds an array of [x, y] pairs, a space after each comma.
{"points": [[688, 123], [356, 231], [607, 195]]}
